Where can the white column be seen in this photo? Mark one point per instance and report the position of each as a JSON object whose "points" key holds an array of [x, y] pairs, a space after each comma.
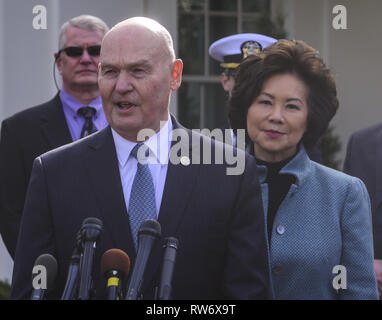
{"points": [[26, 61]]}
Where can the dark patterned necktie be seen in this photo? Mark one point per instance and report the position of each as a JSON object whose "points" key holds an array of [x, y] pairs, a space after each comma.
{"points": [[89, 127], [142, 197]]}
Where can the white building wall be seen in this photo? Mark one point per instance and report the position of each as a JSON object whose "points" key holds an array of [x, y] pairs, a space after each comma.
{"points": [[27, 56]]}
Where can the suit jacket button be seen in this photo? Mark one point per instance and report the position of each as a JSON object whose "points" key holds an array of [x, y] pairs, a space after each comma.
{"points": [[280, 229], [277, 270]]}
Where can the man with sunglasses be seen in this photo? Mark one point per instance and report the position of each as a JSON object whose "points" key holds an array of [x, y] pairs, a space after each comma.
{"points": [[75, 112]]}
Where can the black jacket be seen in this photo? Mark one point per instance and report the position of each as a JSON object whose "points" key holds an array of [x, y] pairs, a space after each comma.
{"points": [[217, 218], [25, 136]]}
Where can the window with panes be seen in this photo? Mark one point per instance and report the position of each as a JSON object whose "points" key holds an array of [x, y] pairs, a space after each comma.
{"points": [[202, 102]]}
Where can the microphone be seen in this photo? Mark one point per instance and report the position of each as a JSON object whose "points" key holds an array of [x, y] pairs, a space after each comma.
{"points": [[71, 285], [149, 233], [115, 266], [91, 230], [169, 257], [73, 275], [43, 275]]}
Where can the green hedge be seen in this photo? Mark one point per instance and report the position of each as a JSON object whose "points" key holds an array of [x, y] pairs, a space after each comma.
{"points": [[5, 290]]}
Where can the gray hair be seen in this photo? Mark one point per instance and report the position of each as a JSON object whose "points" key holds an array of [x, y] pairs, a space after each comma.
{"points": [[84, 21]]}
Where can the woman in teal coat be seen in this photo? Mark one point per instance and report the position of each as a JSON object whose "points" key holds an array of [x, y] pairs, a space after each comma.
{"points": [[318, 220]]}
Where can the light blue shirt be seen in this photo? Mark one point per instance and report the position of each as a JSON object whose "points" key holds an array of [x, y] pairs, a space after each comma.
{"points": [[159, 145], [76, 122]]}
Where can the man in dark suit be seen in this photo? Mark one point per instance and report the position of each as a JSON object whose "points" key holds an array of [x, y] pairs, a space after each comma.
{"points": [[217, 217], [39, 129], [364, 160]]}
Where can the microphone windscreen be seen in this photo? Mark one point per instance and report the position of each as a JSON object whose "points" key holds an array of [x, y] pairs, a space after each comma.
{"points": [[92, 220], [50, 264], [115, 259], [151, 227]]}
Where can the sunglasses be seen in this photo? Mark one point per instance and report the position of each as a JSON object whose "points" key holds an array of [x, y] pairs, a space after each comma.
{"points": [[76, 52]]}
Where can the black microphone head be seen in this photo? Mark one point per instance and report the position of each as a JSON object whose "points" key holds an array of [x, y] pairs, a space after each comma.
{"points": [[150, 227], [92, 221], [115, 259], [91, 229], [50, 263], [171, 242]]}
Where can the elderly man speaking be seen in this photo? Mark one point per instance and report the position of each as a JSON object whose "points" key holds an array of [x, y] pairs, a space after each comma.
{"points": [[217, 218]]}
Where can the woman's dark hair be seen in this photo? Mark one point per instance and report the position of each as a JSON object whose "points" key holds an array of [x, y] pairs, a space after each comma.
{"points": [[286, 57]]}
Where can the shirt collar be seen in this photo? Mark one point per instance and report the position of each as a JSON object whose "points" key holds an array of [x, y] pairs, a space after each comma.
{"points": [[73, 105], [159, 145]]}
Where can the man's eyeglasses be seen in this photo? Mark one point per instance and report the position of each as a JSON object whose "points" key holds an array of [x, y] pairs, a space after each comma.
{"points": [[76, 52]]}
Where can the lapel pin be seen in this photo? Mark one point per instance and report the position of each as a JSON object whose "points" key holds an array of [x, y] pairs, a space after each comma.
{"points": [[185, 161]]}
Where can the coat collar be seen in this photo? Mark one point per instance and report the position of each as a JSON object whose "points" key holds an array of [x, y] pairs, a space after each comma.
{"points": [[299, 167]]}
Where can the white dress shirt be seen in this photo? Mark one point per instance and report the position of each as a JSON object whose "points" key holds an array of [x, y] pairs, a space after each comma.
{"points": [[159, 146]]}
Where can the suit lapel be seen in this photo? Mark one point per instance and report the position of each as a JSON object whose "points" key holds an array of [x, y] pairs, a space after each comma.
{"points": [[54, 126], [180, 182], [378, 166], [105, 180]]}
